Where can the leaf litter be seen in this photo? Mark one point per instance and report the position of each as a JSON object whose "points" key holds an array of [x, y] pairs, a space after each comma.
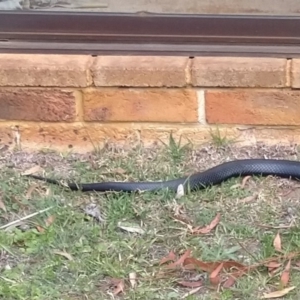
{"points": [[225, 273]]}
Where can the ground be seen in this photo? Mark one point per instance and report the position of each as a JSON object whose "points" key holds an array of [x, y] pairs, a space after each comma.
{"points": [[65, 253]]}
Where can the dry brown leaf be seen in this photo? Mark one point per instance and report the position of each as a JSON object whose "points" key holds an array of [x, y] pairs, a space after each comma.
{"points": [[277, 243], [2, 205], [65, 254], [30, 190], [273, 265], [244, 181], [248, 199], [132, 279], [229, 282], [49, 220], [170, 257], [119, 288], [40, 229], [32, 170], [285, 277], [192, 292], [214, 276], [209, 227], [191, 284], [234, 276], [180, 261], [48, 192], [277, 294], [191, 263], [119, 171]]}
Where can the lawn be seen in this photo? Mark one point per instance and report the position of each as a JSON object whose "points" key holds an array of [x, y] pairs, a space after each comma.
{"points": [[110, 246]]}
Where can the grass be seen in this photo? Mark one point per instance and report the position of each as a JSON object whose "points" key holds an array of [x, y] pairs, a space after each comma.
{"points": [[76, 256]]}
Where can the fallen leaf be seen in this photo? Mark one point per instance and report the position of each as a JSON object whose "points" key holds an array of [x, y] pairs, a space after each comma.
{"points": [[233, 277], [49, 220], [65, 254], [30, 190], [273, 265], [285, 277], [277, 243], [32, 170], [191, 284], [248, 199], [229, 282], [119, 288], [180, 261], [2, 205], [194, 291], [193, 263], [170, 257], [277, 294], [40, 229], [133, 229], [244, 181], [119, 171], [209, 227], [214, 276], [132, 279]]}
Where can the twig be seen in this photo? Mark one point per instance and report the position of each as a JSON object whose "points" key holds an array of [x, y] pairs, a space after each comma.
{"points": [[276, 227], [25, 218]]}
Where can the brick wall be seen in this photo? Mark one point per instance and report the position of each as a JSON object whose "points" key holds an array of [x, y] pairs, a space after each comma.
{"points": [[81, 101]]}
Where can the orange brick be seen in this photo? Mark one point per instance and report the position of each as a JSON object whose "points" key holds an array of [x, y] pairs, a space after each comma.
{"points": [[144, 105], [238, 72], [45, 70], [140, 71], [253, 107], [37, 104], [295, 73]]}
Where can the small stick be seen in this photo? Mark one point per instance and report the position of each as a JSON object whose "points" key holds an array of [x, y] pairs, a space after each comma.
{"points": [[25, 218]]}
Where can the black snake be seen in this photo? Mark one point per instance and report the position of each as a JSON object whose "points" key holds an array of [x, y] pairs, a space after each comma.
{"points": [[216, 175]]}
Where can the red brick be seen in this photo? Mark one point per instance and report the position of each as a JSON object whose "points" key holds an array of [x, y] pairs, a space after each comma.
{"points": [[37, 105], [140, 71], [238, 72], [145, 105], [253, 107], [45, 70]]}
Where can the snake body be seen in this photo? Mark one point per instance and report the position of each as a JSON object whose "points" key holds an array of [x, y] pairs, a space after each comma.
{"points": [[216, 175]]}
